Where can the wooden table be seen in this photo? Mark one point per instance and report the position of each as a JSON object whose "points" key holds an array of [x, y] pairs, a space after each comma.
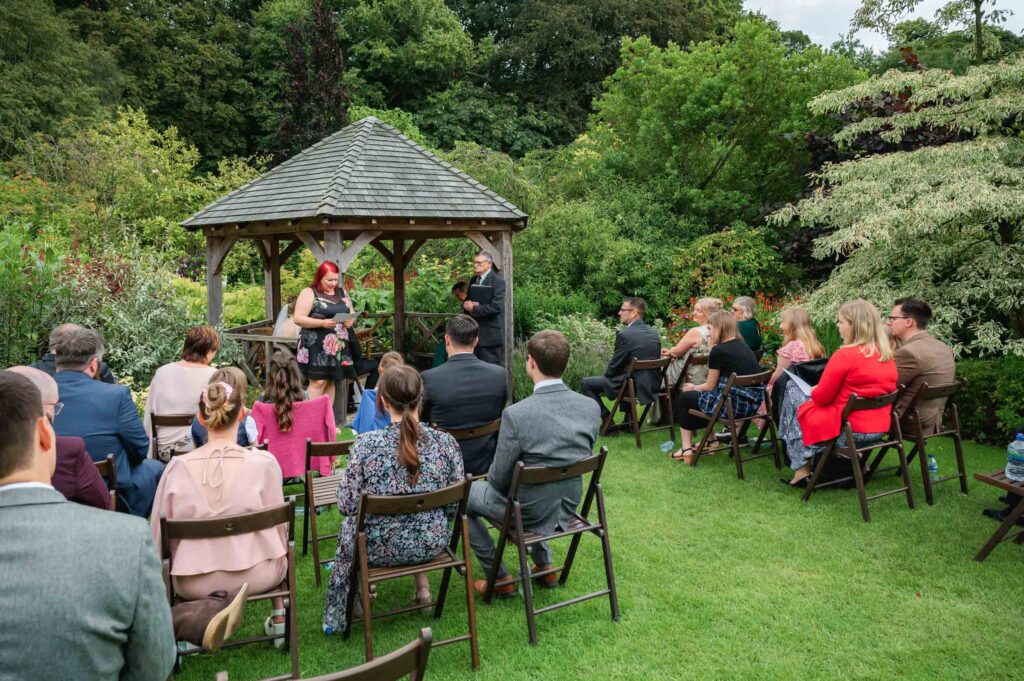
{"points": [[998, 479]]}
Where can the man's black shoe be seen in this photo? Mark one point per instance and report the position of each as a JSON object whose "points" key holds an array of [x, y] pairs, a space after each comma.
{"points": [[725, 437]]}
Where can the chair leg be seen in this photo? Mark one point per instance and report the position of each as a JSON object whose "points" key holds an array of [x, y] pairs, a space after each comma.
{"points": [[1000, 533], [364, 595], [858, 477], [574, 544], [961, 469], [524, 577], [474, 645], [292, 619], [905, 470], [776, 447], [817, 470], [926, 480], [636, 422], [499, 552], [316, 559], [305, 522], [699, 450], [734, 445], [606, 548]]}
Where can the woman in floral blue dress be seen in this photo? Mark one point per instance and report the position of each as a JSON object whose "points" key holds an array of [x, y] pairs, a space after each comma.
{"points": [[406, 457]]}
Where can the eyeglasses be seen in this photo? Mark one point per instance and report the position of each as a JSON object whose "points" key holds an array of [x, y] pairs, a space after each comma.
{"points": [[479, 262], [625, 309], [892, 317], [57, 406]]}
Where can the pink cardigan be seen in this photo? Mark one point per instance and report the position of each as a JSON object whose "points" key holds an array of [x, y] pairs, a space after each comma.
{"points": [[313, 419], [254, 484]]}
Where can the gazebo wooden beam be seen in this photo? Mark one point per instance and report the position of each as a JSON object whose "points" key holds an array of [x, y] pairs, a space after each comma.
{"points": [[485, 244], [285, 228], [217, 249]]}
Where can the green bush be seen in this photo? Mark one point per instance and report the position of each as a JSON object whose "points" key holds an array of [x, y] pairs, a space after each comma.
{"points": [[590, 347], [991, 405], [534, 305], [720, 264], [27, 293]]}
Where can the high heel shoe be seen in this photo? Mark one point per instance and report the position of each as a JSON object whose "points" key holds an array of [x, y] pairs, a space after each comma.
{"points": [[423, 597], [272, 628]]}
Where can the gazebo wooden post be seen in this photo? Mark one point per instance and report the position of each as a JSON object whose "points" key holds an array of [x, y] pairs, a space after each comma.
{"points": [[217, 248], [506, 270], [398, 267], [272, 278]]}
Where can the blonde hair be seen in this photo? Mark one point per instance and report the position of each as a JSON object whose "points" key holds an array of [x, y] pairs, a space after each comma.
{"points": [[220, 405], [389, 359], [726, 325], [709, 305], [234, 377], [866, 329], [748, 305], [796, 326]]}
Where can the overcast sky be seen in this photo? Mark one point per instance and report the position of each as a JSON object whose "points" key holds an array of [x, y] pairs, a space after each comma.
{"points": [[825, 20]]}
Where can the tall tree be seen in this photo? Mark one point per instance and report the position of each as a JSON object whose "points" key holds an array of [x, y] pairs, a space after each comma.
{"points": [[316, 103], [971, 14]]}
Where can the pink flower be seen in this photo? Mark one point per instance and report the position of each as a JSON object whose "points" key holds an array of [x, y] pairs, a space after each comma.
{"points": [[341, 330], [302, 356], [331, 344]]}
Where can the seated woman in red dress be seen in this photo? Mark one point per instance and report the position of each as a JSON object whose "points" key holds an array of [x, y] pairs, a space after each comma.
{"points": [[863, 366]]}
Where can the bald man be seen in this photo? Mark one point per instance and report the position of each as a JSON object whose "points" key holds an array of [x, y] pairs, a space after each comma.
{"points": [[75, 476]]}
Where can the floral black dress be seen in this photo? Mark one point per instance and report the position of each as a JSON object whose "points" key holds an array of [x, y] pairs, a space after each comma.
{"points": [[325, 354], [390, 540]]}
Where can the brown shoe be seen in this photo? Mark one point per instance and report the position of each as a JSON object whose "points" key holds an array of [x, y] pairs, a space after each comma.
{"points": [[547, 581], [208, 622], [503, 588]]}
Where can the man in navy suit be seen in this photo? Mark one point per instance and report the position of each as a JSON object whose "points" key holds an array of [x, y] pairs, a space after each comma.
{"points": [[104, 415]]}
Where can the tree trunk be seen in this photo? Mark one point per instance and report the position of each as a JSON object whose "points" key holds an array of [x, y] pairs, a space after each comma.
{"points": [[979, 52]]}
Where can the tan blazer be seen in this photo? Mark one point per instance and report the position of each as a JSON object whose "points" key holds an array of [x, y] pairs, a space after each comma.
{"points": [[924, 359]]}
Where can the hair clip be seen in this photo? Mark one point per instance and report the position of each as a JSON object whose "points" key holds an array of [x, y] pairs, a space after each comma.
{"points": [[206, 391]]}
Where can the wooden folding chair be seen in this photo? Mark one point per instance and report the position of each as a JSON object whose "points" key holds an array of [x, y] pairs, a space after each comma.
{"points": [[320, 492], [627, 396], [108, 471], [168, 420], [461, 434], [318, 449], [512, 530], [231, 526], [850, 450], [692, 360], [912, 420], [409, 660], [999, 479], [723, 413], [366, 577]]}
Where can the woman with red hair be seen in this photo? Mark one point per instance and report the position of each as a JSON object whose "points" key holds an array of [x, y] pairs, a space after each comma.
{"points": [[323, 351]]}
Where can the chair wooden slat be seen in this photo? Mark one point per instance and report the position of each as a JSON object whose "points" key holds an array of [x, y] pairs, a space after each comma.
{"points": [[627, 397]]}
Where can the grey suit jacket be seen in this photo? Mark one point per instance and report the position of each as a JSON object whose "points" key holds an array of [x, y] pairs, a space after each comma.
{"points": [[553, 427], [82, 593]]}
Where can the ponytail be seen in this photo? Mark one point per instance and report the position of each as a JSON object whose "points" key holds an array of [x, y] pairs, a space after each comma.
{"points": [[401, 388]]}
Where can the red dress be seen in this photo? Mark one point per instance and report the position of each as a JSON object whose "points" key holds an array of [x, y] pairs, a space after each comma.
{"points": [[848, 372]]}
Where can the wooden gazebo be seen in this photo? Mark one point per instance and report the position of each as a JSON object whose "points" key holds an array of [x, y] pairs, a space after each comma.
{"points": [[365, 185]]}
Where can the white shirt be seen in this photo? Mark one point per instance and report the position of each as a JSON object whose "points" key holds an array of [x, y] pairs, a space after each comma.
{"points": [[464, 352], [25, 485], [547, 382]]}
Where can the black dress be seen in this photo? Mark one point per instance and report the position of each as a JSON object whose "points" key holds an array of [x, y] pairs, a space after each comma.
{"points": [[325, 354]]}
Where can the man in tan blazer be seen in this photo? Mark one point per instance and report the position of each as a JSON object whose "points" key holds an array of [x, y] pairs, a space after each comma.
{"points": [[920, 358]]}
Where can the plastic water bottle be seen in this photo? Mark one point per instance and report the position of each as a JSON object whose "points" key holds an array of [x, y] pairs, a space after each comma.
{"points": [[933, 468], [1015, 459], [667, 446]]}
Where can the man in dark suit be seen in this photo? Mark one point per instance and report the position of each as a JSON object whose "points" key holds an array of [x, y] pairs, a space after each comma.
{"points": [[105, 417], [48, 363], [553, 427], [75, 476], [637, 340], [486, 304], [465, 392], [81, 588]]}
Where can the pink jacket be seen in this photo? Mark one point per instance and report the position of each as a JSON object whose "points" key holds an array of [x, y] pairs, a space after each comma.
{"points": [[243, 481], [313, 419]]}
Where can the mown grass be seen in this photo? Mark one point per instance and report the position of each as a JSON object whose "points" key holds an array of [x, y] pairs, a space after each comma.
{"points": [[725, 579]]}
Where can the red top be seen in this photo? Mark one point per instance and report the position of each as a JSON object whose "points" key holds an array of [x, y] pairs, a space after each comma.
{"points": [[847, 372]]}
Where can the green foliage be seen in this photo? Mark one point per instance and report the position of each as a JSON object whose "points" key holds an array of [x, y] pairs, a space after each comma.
{"points": [[28, 269], [536, 305], [401, 121], [991, 405], [590, 347], [944, 222], [721, 264], [52, 82]]}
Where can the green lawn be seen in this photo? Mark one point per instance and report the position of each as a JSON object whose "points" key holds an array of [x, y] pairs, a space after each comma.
{"points": [[719, 578]]}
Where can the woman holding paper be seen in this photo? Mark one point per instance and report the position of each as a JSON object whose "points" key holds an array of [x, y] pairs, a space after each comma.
{"points": [[863, 366], [323, 351]]}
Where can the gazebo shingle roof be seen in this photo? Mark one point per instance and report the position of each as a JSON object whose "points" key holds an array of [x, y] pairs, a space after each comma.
{"points": [[365, 170]]}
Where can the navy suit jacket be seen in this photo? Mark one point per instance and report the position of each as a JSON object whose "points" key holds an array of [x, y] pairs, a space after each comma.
{"points": [[103, 415]]}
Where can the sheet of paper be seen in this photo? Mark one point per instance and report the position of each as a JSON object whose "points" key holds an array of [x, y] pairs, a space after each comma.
{"points": [[804, 386]]}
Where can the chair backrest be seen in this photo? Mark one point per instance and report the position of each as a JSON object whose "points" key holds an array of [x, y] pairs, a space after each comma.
{"points": [[168, 421], [538, 475], [692, 360], [404, 504], [648, 365], [857, 403], [225, 526], [749, 380], [108, 471], [326, 449], [323, 490], [471, 433], [409, 660]]}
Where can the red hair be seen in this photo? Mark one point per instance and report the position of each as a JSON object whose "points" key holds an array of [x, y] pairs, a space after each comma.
{"points": [[321, 272]]}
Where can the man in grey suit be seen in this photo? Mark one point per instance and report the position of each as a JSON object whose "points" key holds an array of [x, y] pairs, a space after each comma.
{"points": [[81, 583], [465, 392], [553, 427]]}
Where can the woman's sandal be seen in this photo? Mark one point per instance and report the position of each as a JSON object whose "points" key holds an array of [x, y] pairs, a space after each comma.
{"points": [[423, 597], [680, 455], [272, 628]]}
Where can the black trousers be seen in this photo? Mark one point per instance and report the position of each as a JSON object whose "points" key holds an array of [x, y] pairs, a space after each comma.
{"points": [[595, 387], [686, 401], [490, 354]]}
